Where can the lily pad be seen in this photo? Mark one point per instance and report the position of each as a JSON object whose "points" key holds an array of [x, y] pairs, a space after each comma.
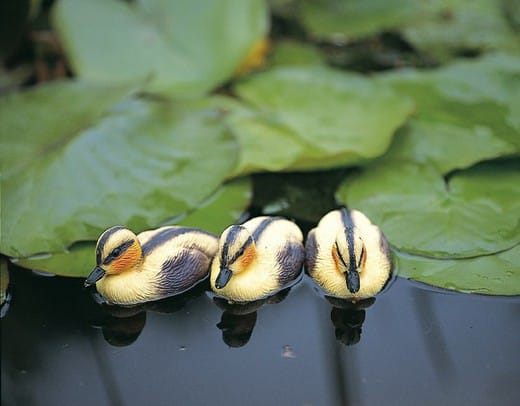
{"points": [[182, 47], [224, 207], [291, 53], [265, 144], [466, 113], [316, 117], [77, 261], [474, 212], [345, 20], [446, 146], [497, 274], [461, 26], [30, 127], [438, 28], [143, 161]]}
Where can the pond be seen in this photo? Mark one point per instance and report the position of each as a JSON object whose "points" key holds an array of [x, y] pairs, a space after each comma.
{"points": [[407, 114], [413, 345]]}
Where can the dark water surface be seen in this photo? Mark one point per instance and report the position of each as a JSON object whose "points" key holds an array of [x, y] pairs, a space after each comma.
{"points": [[417, 347]]}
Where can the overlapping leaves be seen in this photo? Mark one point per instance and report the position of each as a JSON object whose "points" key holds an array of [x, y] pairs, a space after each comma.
{"points": [[77, 158], [474, 212], [68, 175], [438, 28], [313, 117], [466, 113]]}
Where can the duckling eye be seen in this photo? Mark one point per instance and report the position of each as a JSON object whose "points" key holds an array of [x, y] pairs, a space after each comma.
{"points": [[117, 252]]}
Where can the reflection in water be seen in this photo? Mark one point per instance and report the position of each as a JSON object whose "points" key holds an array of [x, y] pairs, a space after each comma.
{"points": [[238, 319], [122, 325], [348, 324], [51, 356], [122, 332], [348, 317], [237, 329], [434, 338]]}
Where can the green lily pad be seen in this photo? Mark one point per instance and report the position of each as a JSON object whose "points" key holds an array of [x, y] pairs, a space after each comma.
{"points": [[438, 28], [290, 53], [475, 212], [265, 145], [25, 116], [346, 20], [77, 261], [314, 117], [446, 146], [455, 26], [222, 208], [466, 113], [182, 47], [72, 176], [497, 274]]}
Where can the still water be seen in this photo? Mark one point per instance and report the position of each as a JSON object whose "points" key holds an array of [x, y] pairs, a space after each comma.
{"points": [[412, 346]]}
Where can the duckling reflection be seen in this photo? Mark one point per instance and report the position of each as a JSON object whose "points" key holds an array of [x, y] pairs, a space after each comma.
{"points": [[122, 332], [239, 319], [348, 319], [152, 265], [257, 259], [347, 256], [122, 325], [237, 329]]}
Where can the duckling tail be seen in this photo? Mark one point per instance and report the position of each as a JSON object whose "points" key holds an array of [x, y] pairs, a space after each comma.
{"points": [[352, 278], [223, 278], [94, 276]]}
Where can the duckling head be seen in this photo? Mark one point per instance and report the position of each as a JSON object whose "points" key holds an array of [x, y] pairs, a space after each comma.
{"points": [[117, 250], [349, 254], [237, 251]]}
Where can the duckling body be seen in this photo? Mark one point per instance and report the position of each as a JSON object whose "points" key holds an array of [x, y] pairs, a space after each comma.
{"points": [[152, 265], [347, 255], [257, 259]]}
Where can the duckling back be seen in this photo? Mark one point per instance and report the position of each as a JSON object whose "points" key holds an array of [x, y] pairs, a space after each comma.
{"points": [[258, 258]]}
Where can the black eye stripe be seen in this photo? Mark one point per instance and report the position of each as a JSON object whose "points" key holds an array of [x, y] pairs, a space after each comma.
{"points": [[116, 252], [103, 239], [251, 239], [361, 257], [241, 251], [340, 256]]}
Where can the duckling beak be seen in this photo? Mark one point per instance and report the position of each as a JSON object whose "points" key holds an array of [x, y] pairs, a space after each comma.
{"points": [[94, 276], [352, 278], [223, 278]]}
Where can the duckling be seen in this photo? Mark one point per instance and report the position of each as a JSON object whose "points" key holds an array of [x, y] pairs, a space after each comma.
{"points": [[257, 259], [347, 255], [152, 265]]}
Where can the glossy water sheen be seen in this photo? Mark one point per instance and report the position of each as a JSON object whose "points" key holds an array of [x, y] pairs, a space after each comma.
{"points": [[416, 347]]}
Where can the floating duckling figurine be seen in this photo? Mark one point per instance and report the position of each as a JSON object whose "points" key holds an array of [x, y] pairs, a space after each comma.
{"points": [[257, 259], [347, 255], [155, 264]]}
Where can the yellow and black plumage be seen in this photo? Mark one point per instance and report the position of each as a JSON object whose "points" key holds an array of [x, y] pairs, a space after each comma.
{"points": [[152, 265], [347, 255], [257, 259]]}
